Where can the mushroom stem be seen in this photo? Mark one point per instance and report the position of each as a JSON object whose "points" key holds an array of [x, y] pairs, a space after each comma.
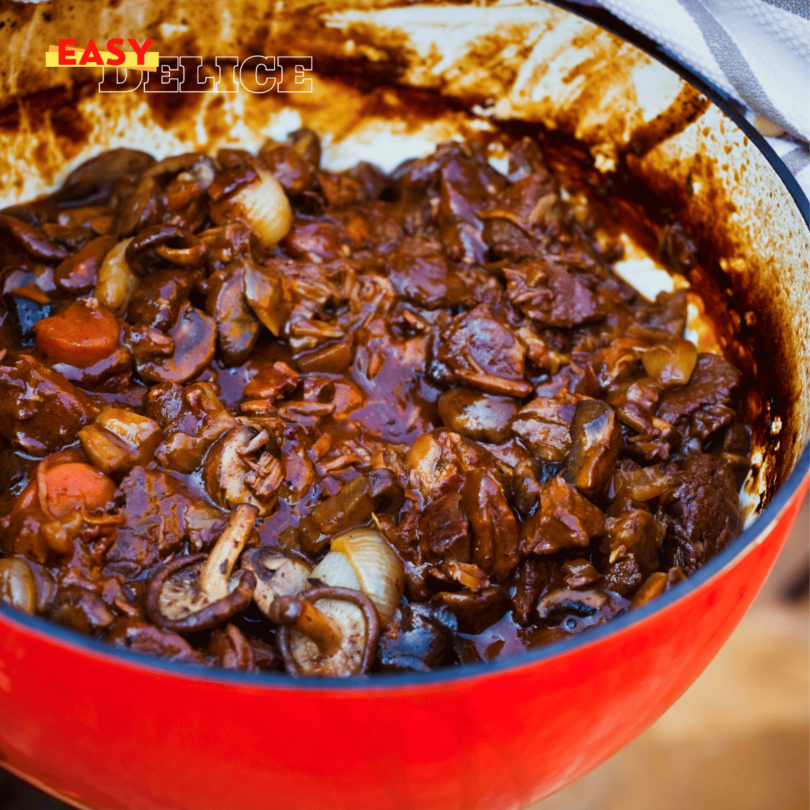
{"points": [[303, 616], [216, 573]]}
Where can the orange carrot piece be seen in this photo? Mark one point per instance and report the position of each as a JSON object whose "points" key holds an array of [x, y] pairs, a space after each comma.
{"points": [[80, 335], [73, 486]]}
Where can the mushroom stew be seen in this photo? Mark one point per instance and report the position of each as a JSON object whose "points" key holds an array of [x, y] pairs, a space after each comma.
{"points": [[262, 415]]}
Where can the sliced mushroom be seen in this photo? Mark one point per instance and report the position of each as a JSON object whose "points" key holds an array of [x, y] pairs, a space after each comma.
{"points": [[565, 604], [194, 337], [199, 591], [264, 291], [595, 439], [237, 325], [526, 486], [132, 634], [276, 575], [32, 240], [78, 273], [94, 179], [160, 243], [240, 469], [80, 609], [140, 209], [339, 639], [477, 416]]}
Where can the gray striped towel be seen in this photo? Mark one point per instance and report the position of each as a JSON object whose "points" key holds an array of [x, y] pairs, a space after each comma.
{"points": [[754, 51]]}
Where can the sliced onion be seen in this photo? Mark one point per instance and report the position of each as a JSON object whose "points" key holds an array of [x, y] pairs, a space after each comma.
{"points": [[336, 570], [263, 205], [642, 484], [671, 363], [17, 585], [116, 282], [379, 571], [264, 291]]}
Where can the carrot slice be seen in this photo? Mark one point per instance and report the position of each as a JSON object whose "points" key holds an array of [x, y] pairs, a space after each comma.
{"points": [[73, 486], [80, 335], [28, 499]]}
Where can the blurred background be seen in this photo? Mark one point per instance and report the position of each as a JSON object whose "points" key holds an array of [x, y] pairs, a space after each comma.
{"points": [[739, 739]]}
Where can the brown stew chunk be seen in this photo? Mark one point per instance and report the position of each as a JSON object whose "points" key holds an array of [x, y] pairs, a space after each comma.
{"points": [[701, 512], [40, 411], [565, 519], [477, 416]]}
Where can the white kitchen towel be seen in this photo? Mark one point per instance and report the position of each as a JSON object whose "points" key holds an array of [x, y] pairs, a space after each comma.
{"points": [[755, 51]]}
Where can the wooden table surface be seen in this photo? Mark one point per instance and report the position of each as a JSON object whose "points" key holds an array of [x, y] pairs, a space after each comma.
{"points": [[739, 739]]}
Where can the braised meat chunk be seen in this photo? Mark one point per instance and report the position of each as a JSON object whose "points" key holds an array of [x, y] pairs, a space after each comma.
{"points": [[40, 411], [261, 415]]}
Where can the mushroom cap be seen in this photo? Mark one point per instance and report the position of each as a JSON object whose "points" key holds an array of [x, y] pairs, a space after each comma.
{"points": [[227, 470], [194, 337], [175, 602], [276, 575], [356, 617]]}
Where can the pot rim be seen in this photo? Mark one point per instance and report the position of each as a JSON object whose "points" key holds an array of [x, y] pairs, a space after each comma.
{"points": [[467, 673]]}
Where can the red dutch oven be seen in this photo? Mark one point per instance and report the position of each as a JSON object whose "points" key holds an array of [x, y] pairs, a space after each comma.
{"points": [[104, 728]]}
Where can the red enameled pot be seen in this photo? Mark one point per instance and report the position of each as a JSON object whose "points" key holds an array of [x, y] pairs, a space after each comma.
{"points": [[104, 728]]}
